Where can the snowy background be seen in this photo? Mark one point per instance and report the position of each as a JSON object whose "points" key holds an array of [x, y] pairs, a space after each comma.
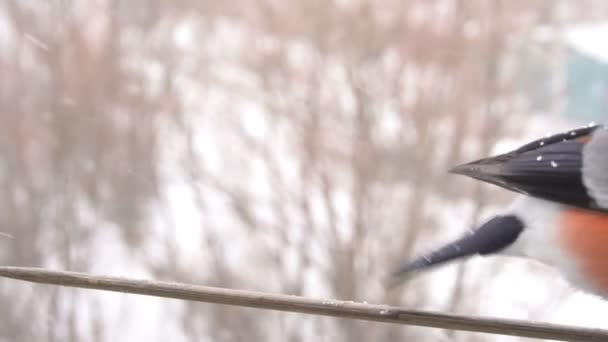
{"points": [[298, 147]]}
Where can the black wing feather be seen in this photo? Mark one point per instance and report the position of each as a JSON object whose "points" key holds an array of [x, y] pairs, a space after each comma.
{"points": [[557, 138], [552, 172]]}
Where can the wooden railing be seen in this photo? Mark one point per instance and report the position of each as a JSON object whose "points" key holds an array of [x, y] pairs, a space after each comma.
{"points": [[281, 302]]}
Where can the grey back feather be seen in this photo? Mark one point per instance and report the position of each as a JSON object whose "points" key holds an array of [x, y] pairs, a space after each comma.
{"points": [[595, 167]]}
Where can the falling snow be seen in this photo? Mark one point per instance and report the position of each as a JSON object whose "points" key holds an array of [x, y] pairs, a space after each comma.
{"points": [[542, 143], [554, 163], [539, 158], [36, 42], [6, 235]]}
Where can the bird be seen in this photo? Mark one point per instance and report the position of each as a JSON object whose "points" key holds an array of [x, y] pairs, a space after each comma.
{"points": [[559, 218]]}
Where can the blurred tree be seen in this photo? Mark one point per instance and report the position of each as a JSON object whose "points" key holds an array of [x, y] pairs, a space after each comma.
{"points": [[297, 147]]}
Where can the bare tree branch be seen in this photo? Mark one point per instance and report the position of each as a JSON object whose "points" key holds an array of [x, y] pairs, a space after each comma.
{"points": [[334, 308]]}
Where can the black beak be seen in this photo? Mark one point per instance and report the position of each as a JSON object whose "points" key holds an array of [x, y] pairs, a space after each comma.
{"points": [[493, 170], [491, 237], [551, 172]]}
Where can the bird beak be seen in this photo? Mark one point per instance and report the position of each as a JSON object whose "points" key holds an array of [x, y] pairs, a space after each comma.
{"points": [[491, 237], [553, 172], [489, 170]]}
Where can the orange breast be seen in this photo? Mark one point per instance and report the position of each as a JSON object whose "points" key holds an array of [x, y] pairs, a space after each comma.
{"points": [[585, 235], [584, 139]]}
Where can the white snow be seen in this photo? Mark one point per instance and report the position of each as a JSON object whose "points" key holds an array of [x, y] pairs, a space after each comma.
{"points": [[588, 39]]}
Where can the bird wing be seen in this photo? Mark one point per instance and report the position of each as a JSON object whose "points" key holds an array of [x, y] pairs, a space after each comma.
{"points": [[595, 167], [550, 168]]}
